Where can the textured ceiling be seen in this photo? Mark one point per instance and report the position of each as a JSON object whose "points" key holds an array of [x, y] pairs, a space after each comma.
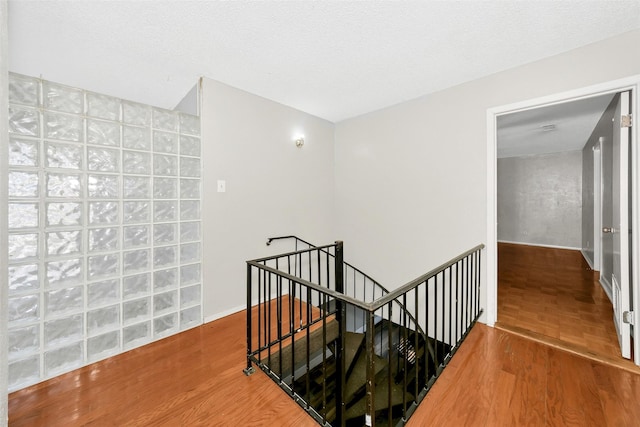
{"points": [[332, 59], [560, 127]]}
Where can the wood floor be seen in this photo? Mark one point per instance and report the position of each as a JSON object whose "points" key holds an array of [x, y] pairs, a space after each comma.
{"points": [[552, 295]]}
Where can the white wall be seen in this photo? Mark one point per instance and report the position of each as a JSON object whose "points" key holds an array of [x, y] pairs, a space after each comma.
{"points": [[4, 148], [540, 199], [411, 179], [272, 187]]}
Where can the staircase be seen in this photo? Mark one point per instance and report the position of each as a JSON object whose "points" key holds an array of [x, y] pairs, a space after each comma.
{"points": [[347, 350]]}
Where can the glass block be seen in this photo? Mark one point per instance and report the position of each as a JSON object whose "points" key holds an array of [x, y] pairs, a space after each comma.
{"points": [[64, 242], [136, 138], [136, 212], [103, 319], [189, 146], [165, 279], [103, 239], [165, 165], [136, 235], [24, 121], [165, 119], [164, 142], [23, 341], [62, 98], [67, 156], [22, 246], [136, 162], [165, 324], [189, 124], [190, 252], [165, 188], [190, 188], [64, 214], [63, 359], [23, 308], [164, 256], [23, 215], [103, 133], [103, 159], [137, 285], [135, 310], [101, 293], [63, 185], [189, 209], [103, 265], [23, 90], [164, 302], [64, 330], [165, 211], [189, 167], [134, 335], [24, 372], [189, 231], [164, 233], [103, 186], [66, 272], [136, 114], [103, 345], [134, 261], [103, 213], [190, 317], [23, 152], [103, 106], [189, 274], [62, 301], [23, 277], [137, 187], [63, 126], [189, 296], [23, 184]]}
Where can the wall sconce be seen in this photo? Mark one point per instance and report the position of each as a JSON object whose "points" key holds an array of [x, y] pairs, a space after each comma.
{"points": [[299, 141]]}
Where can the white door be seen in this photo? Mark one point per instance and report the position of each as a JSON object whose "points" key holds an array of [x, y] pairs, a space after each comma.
{"points": [[619, 228]]}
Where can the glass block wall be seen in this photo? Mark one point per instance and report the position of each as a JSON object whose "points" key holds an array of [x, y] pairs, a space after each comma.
{"points": [[104, 227]]}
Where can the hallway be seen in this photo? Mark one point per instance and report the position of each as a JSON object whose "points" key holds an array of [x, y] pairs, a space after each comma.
{"points": [[552, 295]]}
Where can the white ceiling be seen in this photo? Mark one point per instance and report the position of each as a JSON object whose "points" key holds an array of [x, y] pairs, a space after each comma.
{"points": [[561, 127], [332, 59]]}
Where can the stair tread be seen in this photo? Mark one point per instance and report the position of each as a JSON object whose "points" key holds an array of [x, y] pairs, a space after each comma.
{"points": [[381, 399], [352, 348], [358, 376]]}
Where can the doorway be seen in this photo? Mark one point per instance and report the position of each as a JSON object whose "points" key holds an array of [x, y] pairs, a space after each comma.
{"points": [[492, 238]]}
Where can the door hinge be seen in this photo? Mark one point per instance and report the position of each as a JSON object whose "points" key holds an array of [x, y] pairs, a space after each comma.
{"points": [[627, 317], [627, 121]]}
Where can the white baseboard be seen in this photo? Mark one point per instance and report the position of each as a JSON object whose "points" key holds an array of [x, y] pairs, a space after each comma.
{"points": [[541, 245], [587, 259], [224, 313], [607, 287]]}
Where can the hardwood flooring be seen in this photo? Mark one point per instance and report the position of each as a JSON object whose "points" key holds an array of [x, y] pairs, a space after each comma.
{"points": [[551, 295]]}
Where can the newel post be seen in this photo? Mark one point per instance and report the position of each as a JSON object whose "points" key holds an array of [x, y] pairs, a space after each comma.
{"points": [[341, 319]]}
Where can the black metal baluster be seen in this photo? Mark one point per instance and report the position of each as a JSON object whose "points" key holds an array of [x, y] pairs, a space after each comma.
{"points": [[249, 369]]}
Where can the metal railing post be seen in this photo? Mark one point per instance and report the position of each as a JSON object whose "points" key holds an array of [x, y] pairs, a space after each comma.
{"points": [[370, 416], [341, 319], [249, 369]]}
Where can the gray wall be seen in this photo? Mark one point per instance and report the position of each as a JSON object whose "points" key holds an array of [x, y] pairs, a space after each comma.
{"points": [[4, 148], [272, 187], [540, 199], [604, 129], [411, 180]]}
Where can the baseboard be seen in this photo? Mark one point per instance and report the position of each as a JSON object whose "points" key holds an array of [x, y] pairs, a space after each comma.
{"points": [[587, 259], [606, 286], [224, 313], [541, 245]]}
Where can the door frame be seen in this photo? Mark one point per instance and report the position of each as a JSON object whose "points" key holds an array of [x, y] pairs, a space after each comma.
{"points": [[597, 206], [630, 83]]}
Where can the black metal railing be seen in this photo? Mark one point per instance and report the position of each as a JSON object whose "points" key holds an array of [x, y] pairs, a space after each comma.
{"points": [[345, 348]]}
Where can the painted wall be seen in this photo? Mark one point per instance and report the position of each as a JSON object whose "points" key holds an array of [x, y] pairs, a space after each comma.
{"points": [[4, 148], [540, 199], [604, 129], [272, 187], [411, 180]]}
